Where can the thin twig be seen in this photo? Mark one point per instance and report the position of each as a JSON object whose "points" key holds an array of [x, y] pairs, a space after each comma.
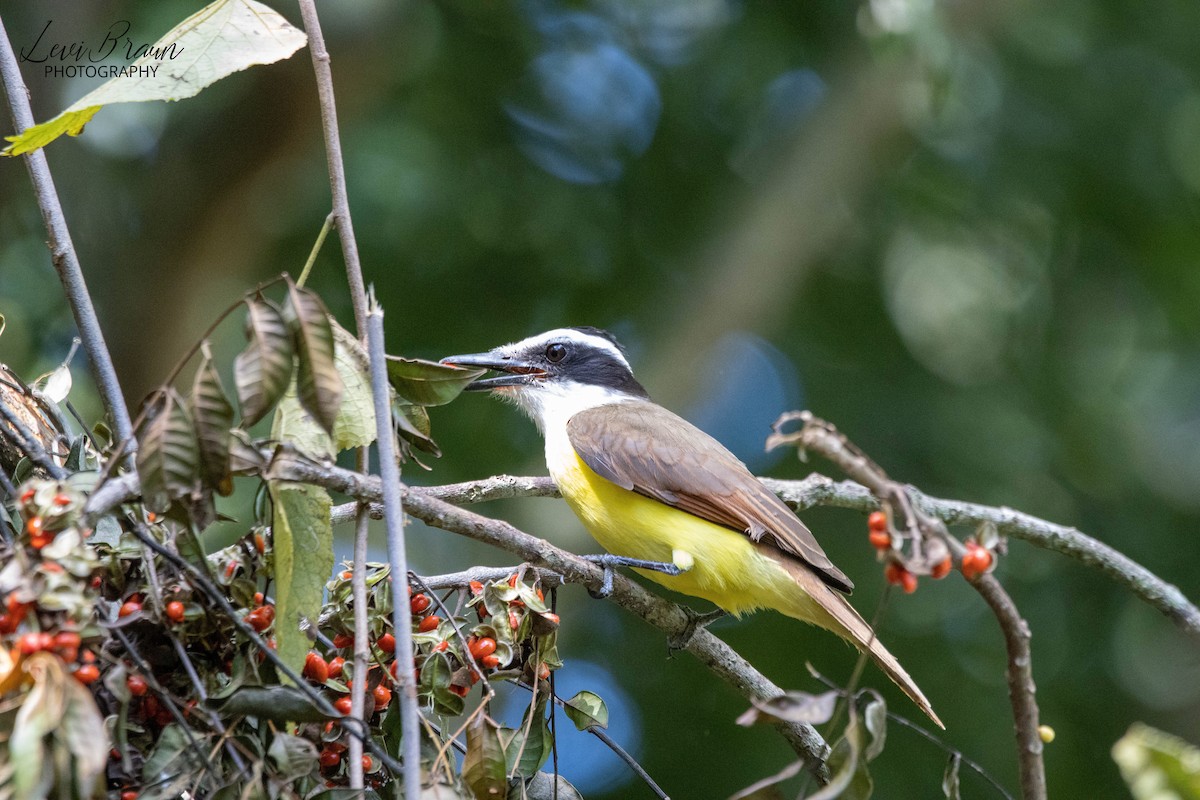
{"points": [[62, 250], [333, 155], [389, 472], [362, 645]]}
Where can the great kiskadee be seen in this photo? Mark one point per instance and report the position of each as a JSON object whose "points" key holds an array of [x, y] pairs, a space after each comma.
{"points": [[654, 488]]}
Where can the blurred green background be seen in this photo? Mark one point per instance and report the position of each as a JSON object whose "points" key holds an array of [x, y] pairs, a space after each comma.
{"points": [[966, 233]]}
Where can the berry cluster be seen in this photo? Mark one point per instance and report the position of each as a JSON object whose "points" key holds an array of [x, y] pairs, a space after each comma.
{"points": [[511, 637], [934, 560]]}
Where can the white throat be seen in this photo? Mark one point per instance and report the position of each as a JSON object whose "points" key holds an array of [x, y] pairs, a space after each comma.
{"points": [[550, 405]]}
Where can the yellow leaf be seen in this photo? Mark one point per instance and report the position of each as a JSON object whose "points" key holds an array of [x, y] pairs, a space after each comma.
{"points": [[222, 38]]}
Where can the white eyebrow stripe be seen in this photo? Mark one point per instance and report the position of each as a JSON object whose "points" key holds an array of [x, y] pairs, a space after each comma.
{"points": [[568, 334]]}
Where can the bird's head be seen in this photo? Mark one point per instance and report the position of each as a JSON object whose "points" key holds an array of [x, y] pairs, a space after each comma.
{"points": [[557, 373]]}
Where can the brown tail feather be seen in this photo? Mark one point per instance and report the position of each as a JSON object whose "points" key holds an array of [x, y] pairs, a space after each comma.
{"points": [[831, 610]]}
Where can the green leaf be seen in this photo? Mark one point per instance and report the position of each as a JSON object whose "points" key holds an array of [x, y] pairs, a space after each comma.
{"points": [[950, 783], [483, 766], [303, 547], [1156, 765], [293, 756], [214, 417], [849, 777], [355, 423], [276, 703], [525, 754], [413, 424], [318, 384], [294, 425], [263, 370], [587, 710], [428, 383], [222, 38], [168, 456]]}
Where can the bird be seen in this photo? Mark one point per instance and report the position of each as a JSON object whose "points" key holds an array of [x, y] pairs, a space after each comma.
{"points": [[664, 497]]}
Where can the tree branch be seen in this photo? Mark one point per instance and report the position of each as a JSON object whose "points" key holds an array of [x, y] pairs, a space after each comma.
{"points": [[823, 438], [662, 614], [62, 250]]}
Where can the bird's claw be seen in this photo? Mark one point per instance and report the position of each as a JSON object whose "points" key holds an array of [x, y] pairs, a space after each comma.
{"points": [[608, 562]]}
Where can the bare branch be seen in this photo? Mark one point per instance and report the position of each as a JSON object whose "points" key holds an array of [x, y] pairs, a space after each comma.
{"points": [[62, 250], [823, 438], [337, 171], [393, 516]]}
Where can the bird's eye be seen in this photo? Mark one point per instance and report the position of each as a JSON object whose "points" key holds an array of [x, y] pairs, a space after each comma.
{"points": [[556, 353]]}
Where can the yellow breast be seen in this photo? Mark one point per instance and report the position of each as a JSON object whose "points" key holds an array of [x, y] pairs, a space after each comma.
{"points": [[728, 569]]}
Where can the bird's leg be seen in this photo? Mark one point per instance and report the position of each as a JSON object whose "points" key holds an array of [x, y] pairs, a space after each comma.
{"points": [[696, 621], [609, 562]]}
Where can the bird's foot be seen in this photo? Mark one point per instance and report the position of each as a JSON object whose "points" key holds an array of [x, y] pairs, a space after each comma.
{"points": [[609, 562], [696, 621]]}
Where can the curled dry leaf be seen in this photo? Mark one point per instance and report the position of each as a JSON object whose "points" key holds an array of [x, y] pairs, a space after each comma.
{"points": [[813, 709], [168, 453], [263, 370], [318, 385], [214, 418]]}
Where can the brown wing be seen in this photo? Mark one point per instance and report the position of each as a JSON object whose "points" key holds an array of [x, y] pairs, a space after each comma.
{"points": [[645, 448]]}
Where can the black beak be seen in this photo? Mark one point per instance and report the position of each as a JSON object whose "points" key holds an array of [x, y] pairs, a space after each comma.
{"points": [[516, 373]]}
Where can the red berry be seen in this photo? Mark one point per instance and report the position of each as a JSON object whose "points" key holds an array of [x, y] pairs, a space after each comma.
{"points": [[429, 623], [484, 646], [543, 671], [976, 561], [87, 673], [877, 521], [329, 758], [8, 624], [343, 640], [342, 704], [335, 667], [441, 646], [550, 616], [129, 794], [880, 540], [15, 606], [490, 661], [512, 581], [315, 668], [461, 691], [367, 763], [382, 695], [260, 544], [419, 603], [941, 569], [33, 526], [29, 643], [137, 685], [899, 576], [61, 500], [261, 618], [514, 620], [347, 575], [39, 541], [231, 569], [258, 598], [27, 495], [476, 587], [175, 611], [67, 640], [387, 643]]}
